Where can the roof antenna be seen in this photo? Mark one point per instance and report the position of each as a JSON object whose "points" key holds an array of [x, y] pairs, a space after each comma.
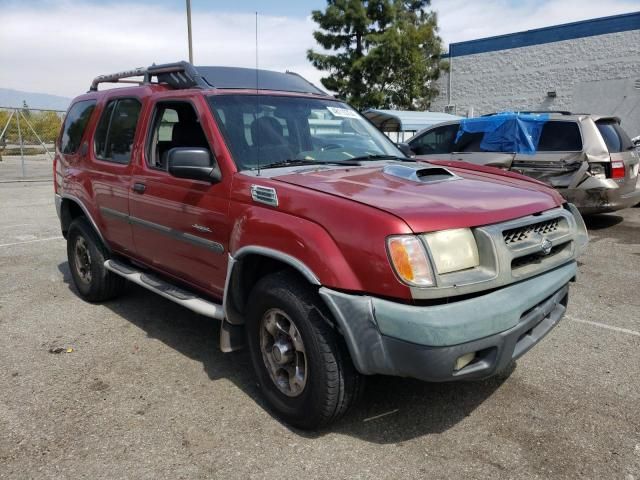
{"points": [[257, 139]]}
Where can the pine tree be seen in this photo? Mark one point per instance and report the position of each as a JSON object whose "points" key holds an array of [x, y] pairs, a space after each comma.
{"points": [[386, 53]]}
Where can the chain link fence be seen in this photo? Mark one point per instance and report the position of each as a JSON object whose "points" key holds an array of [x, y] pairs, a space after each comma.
{"points": [[27, 142]]}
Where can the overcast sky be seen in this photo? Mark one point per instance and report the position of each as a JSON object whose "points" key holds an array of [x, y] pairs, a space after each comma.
{"points": [[57, 47]]}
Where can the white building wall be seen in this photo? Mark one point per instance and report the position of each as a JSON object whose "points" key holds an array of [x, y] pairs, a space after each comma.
{"points": [[519, 78]]}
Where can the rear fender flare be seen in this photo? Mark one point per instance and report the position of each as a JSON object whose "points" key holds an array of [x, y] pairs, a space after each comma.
{"points": [[77, 201]]}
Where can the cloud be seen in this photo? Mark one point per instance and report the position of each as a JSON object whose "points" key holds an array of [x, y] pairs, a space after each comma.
{"points": [[462, 20], [59, 46]]}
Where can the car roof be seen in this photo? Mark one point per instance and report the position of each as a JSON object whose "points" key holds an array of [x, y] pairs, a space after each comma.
{"points": [[183, 75]]}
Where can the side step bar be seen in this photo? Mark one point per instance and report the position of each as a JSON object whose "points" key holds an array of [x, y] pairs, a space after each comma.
{"points": [[182, 297]]}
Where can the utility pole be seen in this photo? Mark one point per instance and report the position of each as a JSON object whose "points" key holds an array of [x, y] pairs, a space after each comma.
{"points": [[189, 31]]}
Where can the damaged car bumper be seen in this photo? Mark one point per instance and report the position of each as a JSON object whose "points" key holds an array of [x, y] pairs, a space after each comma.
{"points": [[467, 339], [601, 196]]}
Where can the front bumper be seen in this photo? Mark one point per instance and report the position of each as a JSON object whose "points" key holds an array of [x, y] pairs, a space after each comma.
{"points": [[391, 338]]}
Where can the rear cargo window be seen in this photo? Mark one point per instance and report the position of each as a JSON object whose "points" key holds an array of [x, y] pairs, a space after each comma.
{"points": [[116, 130], [74, 124], [560, 137], [614, 136]]}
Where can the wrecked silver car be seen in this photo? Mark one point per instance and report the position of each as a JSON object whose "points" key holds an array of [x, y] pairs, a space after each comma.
{"points": [[589, 159]]}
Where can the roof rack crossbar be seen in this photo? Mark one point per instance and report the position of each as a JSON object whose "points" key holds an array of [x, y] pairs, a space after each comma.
{"points": [[183, 75], [177, 75], [559, 112]]}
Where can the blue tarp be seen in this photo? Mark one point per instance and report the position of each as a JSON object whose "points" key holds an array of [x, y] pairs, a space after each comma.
{"points": [[506, 132]]}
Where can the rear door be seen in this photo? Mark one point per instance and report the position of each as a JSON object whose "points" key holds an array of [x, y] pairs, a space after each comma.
{"points": [[111, 167], [467, 149], [559, 160]]}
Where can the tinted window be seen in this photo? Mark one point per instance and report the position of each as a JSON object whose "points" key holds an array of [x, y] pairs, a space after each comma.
{"points": [[74, 124], [616, 139], [469, 142], [272, 129], [175, 125], [436, 141], [116, 130], [560, 137]]}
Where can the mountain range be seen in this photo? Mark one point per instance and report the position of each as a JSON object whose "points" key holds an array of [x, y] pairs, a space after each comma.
{"points": [[14, 99]]}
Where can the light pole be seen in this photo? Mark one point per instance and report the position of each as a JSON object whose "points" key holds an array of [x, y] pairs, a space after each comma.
{"points": [[189, 31]]}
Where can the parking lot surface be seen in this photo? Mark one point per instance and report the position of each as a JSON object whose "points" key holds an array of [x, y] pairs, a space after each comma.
{"points": [[140, 390]]}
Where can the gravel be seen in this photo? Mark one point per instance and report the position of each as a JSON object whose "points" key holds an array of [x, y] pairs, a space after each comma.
{"points": [[137, 388]]}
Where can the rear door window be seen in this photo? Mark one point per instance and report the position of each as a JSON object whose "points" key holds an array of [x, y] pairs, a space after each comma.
{"points": [[558, 136], [469, 142], [74, 124], [116, 130], [436, 141], [614, 136]]}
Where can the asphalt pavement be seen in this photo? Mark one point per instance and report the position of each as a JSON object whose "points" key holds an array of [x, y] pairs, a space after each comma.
{"points": [[138, 388]]}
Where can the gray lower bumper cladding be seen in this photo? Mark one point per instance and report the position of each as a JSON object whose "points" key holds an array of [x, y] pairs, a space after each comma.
{"points": [[424, 342]]}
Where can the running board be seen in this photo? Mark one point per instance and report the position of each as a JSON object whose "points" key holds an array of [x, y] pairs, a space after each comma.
{"points": [[165, 289]]}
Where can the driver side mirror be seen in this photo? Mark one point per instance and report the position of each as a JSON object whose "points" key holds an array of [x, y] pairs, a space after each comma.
{"points": [[193, 163], [406, 149]]}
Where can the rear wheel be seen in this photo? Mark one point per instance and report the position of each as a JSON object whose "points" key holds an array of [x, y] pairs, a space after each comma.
{"points": [[86, 255], [301, 362]]}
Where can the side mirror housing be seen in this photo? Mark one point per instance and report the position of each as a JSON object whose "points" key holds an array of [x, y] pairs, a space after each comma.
{"points": [[406, 149], [193, 163]]}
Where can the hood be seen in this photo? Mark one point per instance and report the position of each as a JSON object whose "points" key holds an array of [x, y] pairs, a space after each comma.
{"points": [[460, 198]]}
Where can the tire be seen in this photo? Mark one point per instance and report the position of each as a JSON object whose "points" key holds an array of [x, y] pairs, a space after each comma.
{"points": [[92, 280], [331, 383]]}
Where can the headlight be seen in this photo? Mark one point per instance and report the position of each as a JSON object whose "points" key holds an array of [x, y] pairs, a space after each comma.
{"points": [[410, 260], [453, 250]]}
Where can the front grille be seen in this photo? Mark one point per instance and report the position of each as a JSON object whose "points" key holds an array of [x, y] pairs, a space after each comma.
{"points": [[537, 258], [520, 234]]}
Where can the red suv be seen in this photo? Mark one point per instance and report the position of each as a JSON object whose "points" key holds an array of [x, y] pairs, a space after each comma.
{"points": [[256, 199]]}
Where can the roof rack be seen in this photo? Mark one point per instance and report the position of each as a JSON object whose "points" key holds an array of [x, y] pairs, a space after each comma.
{"points": [[177, 75], [182, 75], [559, 112]]}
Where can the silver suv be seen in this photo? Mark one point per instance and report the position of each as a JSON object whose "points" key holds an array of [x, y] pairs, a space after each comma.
{"points": [[589, 159]]}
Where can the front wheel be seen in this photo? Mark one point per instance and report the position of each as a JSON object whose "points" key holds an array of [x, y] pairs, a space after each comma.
{"points": [[300, 360]]}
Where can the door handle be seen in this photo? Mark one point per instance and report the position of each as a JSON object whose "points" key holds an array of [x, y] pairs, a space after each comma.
{"points": [[139, 187]]}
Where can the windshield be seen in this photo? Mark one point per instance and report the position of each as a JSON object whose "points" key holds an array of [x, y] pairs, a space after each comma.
{"points": [[263, 130]]}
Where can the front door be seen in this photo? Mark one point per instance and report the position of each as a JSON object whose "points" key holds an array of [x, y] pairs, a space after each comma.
{"points": [[180, 226], [435, 144]]}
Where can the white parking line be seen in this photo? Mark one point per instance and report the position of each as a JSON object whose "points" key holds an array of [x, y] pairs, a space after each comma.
{"points": [[30, 241], [375, 417], [603, 325]]}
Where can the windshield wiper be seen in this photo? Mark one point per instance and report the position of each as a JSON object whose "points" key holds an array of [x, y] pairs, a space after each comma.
{"points": [[297, 162], [382, 157]]}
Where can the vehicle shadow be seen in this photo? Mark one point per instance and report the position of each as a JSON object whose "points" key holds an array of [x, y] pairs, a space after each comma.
{"points": [[392, 409], [602, 221]]}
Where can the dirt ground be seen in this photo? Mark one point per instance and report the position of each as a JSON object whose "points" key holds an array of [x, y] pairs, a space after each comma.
{"points": [[144, 391]]}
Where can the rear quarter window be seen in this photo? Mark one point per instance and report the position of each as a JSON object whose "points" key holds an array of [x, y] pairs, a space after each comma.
{"points": [[614, 136], [74, 125], [559, 136]]}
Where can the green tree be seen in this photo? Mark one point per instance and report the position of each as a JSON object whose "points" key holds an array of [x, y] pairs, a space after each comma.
{"points": [[379, 53]]}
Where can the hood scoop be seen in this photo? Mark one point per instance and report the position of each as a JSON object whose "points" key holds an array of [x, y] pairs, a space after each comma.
{"points": [[420, 173]]}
